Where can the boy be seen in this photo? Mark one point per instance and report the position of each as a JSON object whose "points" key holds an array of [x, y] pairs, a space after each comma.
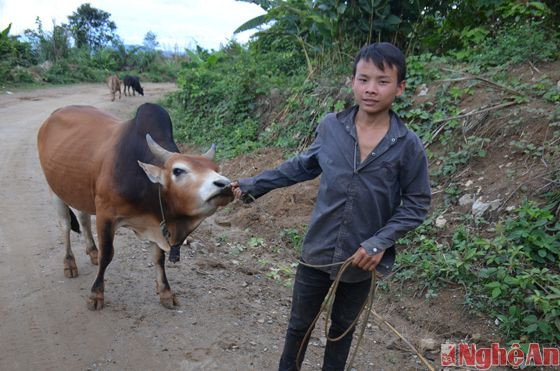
{"points": [[374, 188]]}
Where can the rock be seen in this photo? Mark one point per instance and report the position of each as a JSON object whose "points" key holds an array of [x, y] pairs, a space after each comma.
{"points": [[440, 222], [511, 208], [423, 90], [196, 245], [468, 183], [323, 341], [479, 207], [466, 199], [223, 222], [495, 204], [427, 344]]}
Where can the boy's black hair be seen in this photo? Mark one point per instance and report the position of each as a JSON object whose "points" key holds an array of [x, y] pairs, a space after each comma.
{"points": [[381, 54]]}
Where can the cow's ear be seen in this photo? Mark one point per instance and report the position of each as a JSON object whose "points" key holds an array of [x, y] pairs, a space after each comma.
{"points": [[154, 173]]}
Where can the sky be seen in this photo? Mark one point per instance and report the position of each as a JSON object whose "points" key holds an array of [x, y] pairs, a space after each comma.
{"points": [[178, 24]]}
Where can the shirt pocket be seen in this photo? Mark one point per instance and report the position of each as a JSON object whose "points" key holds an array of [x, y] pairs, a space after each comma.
{"points": [[384, 174]]}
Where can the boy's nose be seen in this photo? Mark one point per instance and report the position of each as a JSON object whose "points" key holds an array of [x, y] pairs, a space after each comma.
{"points": [[371, 88]]}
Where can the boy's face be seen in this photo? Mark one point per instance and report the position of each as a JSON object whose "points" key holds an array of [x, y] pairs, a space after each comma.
{"points": [[374, 89]]}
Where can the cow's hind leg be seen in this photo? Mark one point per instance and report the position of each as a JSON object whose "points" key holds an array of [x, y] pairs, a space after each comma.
{"points": [[64, 214], [167, 297], [105, 234], [91, 249]]}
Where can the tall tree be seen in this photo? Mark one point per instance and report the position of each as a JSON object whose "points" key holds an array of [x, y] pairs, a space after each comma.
{"points": [[150, 41], [91, 27]]}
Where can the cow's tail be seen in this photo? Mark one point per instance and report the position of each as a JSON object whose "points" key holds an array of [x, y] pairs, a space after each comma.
{"points": [[74, 222]]}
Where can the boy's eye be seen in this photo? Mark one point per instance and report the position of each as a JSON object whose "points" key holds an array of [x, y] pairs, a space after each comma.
{"points": [[178, 171]]}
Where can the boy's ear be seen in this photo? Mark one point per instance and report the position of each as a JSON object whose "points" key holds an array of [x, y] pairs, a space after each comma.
{"points": [[400, 88]]}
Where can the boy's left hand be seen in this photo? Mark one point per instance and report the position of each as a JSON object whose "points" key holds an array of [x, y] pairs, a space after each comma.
{"points": [[363, 260]]}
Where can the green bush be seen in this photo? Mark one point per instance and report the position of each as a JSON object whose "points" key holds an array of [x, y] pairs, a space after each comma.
{"points": [[513, 277], [514, 44], [221, 96]]}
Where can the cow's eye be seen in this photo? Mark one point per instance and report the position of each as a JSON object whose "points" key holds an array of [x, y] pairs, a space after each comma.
{"points": [[178, 171]]}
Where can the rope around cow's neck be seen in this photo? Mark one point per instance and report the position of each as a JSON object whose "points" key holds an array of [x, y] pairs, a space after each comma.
{"points": [[163, 224]]}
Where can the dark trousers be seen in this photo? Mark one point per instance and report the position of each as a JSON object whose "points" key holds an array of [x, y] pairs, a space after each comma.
{"points": [[310, 288]]}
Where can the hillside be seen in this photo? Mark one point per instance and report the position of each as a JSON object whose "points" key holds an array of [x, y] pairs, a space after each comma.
{"points": [[516, 160]]}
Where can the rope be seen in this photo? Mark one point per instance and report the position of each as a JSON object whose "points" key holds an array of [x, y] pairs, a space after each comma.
{"points": [[163, 224], [328, 305]]}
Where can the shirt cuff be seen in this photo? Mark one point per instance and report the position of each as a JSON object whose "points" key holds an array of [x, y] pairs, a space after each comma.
{"points": [[373, 246]]}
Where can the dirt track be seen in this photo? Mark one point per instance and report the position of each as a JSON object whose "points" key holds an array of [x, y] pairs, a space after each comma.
{"points": [[225, 321], [45, 324]]}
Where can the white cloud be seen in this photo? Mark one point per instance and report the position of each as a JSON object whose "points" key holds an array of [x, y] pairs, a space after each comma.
{"points": [[180, 23]]}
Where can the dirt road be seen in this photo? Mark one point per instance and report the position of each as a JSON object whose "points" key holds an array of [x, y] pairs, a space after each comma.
{"points": [[45, 324], [231, 316]]}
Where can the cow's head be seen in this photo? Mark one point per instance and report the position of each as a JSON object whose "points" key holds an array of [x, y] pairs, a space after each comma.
{"points": [[191, 184]]}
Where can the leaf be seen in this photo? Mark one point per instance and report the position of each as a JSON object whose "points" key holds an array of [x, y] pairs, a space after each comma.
{"points": [[341, 8], [392, 20], [531, 328], [496, 292], [253, 23]]}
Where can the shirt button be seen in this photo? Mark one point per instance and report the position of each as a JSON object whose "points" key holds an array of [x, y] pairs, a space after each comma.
{"points": [[393, 140], [373, 153], [374, 249]]}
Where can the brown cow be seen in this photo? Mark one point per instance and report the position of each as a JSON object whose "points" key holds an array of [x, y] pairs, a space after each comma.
{"points": [[114, 85], [116, 171]]}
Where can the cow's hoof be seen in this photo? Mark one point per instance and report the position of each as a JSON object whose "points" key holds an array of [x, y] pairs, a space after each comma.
{"points": [[169, 300], [95, 302], [93, 256], [70, 268]]}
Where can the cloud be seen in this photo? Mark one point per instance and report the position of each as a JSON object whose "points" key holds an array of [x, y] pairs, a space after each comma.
{"points": [[181, 23]]}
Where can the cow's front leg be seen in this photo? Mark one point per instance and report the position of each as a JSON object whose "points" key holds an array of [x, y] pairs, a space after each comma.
{"points": [[167, 297], [106, 234]]}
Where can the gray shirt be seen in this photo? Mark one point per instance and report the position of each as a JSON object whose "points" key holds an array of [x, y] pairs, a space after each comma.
{"points": [[371, 203]]}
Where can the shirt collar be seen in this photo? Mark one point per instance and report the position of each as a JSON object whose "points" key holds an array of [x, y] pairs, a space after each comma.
{"points": [[397, 129]]}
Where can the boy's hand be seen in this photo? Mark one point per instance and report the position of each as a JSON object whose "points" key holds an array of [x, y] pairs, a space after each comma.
{"points": [[363, 260], [236, 189]]}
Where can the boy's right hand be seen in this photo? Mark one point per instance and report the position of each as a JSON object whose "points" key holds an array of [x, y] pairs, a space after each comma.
{"points": [[236, 189]]}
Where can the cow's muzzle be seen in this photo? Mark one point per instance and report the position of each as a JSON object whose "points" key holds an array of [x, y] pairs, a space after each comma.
{"points": [[175, 253]]}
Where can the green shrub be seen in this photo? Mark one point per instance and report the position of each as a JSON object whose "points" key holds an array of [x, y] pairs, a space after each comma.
{"points": [[513, 277]]}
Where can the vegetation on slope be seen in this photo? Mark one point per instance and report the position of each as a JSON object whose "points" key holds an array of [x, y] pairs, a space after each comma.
{"points": [[463, 99]]}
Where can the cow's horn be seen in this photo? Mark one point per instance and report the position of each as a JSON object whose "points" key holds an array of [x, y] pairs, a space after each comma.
{"points": [[211, 152], [161, 153]]}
